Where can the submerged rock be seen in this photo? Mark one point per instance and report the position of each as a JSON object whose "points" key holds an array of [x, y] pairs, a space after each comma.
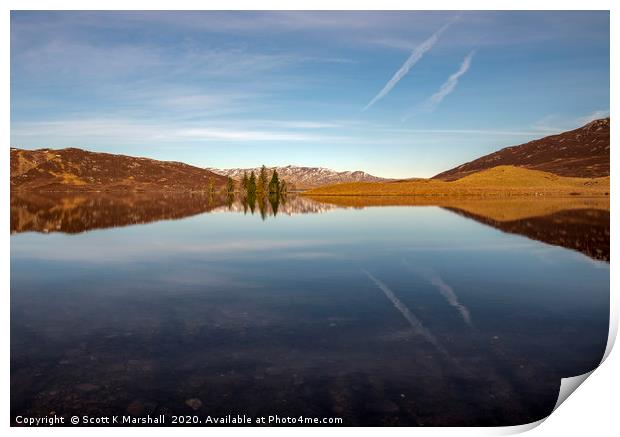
{"points": [[194, 403], [88, 387], [140, 407]]}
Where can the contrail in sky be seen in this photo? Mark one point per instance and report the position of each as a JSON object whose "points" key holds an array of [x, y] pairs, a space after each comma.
{"points": [[415, 56], [450, 84]]}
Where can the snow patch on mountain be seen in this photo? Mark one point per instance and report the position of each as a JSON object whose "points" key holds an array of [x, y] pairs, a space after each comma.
{"points": [[305, 177]]}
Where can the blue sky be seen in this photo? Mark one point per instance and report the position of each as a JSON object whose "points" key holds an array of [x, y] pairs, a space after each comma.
{"points": [[397, 94]]}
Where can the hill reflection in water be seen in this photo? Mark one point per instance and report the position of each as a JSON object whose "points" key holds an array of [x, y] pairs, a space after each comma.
{"points": [[577, 223], [79, 212], [387, 315]]}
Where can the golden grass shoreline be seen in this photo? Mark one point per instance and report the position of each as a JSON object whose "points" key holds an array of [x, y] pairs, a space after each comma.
{"points": [[501, 181]]}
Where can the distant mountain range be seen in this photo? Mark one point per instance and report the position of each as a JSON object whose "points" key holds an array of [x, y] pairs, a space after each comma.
{"points": [[80, 170], [582, 152], [75, 169], [304, 177]]}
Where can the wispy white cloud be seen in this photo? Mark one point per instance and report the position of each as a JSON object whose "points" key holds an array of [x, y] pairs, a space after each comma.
{"points": [[449, 85], [556, 123], [200, 133], [548, 124], [299, 124], [83, 61], [415, 56], [491, 132], [594, 116], [127, 131]]}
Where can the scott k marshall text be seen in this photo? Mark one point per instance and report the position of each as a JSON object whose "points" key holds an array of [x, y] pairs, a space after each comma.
{"points": [[176, 420]]}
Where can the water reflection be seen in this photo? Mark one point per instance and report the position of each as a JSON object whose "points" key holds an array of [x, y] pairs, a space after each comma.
{"points": [[80, 212], [382, 316], [585, 230], [576, 223]]}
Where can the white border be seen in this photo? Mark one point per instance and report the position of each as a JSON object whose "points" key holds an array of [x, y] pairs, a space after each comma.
{"points": [[593, 410]]}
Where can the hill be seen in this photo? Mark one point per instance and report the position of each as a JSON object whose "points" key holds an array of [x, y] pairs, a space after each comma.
{"points": [[497, 181], [74, 169], [582, 152], [305, 177]]}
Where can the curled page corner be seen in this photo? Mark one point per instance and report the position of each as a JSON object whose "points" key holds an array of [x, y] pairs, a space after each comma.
{"points": [[518, 429], [613, 327], [568, 386]]}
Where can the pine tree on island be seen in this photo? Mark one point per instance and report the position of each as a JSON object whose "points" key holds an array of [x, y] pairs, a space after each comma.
{"points": [[262, 186], [251, 189], [274, 184]]}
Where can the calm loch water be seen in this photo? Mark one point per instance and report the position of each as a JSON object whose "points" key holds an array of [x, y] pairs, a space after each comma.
{"points": [[383, 315]]}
